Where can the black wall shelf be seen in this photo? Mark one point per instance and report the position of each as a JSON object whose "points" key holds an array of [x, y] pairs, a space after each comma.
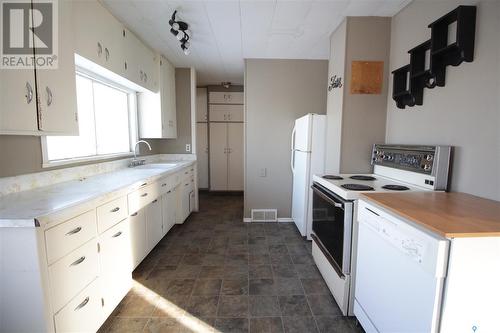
{"points": [[451, 43]]}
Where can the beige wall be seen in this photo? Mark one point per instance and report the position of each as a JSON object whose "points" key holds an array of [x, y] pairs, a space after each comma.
{"points": [[356, 121], [466, 112], [276, 93]]}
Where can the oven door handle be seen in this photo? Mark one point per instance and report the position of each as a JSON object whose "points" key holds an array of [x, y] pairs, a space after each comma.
{"points": [[326, 197]]}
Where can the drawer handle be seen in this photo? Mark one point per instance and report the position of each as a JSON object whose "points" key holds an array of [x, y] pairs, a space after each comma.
{"points": [[163, 185], [117, 234], [368, 209], [144, 184], [186, 172], [186, 184], [78, 261], [192, 169], [135, 214], [155, 201], [82, 304], [144, 195], [74, 231], [114, 210], [169, 192]]}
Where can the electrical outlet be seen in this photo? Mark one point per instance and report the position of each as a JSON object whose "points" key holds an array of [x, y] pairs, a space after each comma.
{"points": [[263, 172], [188, 147]]}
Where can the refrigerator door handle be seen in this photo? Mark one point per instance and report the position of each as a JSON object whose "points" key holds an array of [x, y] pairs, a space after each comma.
{"points": [[292, 157]]}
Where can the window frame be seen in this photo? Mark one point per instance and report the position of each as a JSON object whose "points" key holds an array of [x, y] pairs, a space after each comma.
{"points": [[133, 125]]}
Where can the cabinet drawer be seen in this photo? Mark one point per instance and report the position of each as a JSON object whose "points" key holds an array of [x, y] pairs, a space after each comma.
{"points": [[111, 213], [67, 236], [72, 273], [166, 184], [83, 313], [142, 197]]}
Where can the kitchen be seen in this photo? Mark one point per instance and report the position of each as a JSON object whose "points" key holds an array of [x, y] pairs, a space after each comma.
{"points": [[179, 169]]}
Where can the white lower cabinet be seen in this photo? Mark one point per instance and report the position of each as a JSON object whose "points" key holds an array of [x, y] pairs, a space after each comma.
{"points": [[74, 270], [83, 313], [168, 204], [115, 265], [154, 223], [138, 237]]}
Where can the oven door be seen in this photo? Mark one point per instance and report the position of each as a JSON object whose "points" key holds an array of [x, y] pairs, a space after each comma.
{"points": [[332, 227]]}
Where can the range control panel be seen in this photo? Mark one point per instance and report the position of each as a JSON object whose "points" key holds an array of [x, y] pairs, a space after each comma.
{"points": [[413, 158]]}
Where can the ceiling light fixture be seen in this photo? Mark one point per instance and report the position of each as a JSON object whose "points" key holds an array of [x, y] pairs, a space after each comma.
{"points": [[180, 30], [226, 84]]}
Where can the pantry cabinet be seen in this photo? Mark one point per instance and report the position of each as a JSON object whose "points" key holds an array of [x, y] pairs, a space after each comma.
{"points": [[219, 97], [226, 156], [226, 112], [202, 154], [157, 111]]}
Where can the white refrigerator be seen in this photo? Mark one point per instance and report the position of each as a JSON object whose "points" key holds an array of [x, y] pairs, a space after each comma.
{"points": [[307, 159]]}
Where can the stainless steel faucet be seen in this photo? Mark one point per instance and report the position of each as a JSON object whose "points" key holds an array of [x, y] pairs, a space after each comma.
{"points": [[135, 162]]}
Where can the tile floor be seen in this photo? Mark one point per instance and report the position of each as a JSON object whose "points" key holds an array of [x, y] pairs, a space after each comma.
{"points": [[215, 273]]}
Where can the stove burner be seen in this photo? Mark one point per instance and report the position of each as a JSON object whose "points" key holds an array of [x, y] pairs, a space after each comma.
{"points": [[395, 187], [357, 187], [361, 177], [332, 177]]}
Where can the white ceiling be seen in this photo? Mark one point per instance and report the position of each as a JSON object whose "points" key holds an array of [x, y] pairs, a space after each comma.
{"points": [[224, 32]]}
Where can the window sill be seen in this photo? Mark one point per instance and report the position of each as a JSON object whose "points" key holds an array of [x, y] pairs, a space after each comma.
{"points": [[79, 160]]}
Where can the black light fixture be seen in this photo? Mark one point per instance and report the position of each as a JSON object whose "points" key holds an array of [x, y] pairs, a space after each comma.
{"points": [[180, 30]]}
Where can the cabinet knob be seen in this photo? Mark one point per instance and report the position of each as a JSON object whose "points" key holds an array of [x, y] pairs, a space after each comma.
{"points": [[29, 92], [74, 231], [82, 304], [99, 49], [107, 53], [78, 261]]}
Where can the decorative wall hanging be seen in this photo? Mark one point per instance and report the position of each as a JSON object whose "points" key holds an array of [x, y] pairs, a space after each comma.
{"points": [[335, 82], [367, 77], [451, 43]]}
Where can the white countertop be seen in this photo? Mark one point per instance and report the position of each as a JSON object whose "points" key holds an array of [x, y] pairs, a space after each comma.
{"points": [[23, 208]]}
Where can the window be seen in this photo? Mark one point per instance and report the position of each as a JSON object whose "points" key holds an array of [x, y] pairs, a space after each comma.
{"points": [[106, 124]]}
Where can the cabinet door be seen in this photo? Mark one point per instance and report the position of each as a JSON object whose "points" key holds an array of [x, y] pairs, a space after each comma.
{"points": [[218, 156], [116, 264], [154, 223], [149, 107], [57, 88], [220, 97], [169, 106], [218, 112], [169, 207], [187, 189], [235, 156], [202, 154], [18, 101], [234, 113], [138, 237], [201, 105]]}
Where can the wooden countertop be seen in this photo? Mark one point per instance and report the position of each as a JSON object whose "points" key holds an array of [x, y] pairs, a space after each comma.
{"points": [[447, 214]]}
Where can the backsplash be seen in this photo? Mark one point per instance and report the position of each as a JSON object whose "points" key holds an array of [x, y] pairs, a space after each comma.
{"points": [[31, 181]]}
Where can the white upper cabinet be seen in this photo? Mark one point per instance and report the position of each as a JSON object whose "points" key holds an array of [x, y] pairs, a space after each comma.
{"points": [[201, 105], [141, 63], [219, 97], [157, 111], [54, 89], [226, 112], [57, 88], [98, 35]]}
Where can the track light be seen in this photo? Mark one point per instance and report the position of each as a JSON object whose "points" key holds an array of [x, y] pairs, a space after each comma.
{"points": [[180, 30]]}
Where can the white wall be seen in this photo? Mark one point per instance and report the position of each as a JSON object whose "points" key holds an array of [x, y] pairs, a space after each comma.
{"points": [[466, 112], [276, 93]]}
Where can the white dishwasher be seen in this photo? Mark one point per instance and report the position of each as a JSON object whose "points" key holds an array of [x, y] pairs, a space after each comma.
{"points": [[400, 272]]}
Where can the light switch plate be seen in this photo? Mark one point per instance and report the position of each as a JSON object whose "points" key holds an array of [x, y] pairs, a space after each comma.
{"points": [[188, 147]]}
